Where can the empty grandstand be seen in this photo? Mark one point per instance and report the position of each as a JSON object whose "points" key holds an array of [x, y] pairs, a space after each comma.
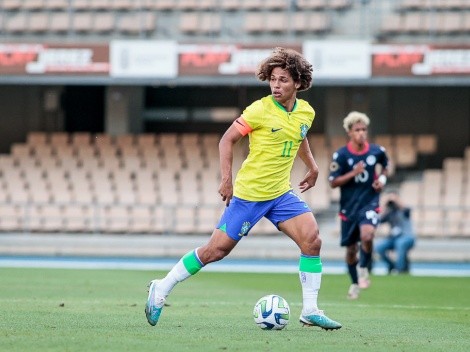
{"points": [[112, 110]]}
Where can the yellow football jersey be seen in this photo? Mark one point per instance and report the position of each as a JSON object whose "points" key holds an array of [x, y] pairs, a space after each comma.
{"points": [[275, 138]]}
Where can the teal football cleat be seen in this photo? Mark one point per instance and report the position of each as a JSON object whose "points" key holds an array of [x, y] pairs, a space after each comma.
{"points": [[154, 306], [318, 318]]}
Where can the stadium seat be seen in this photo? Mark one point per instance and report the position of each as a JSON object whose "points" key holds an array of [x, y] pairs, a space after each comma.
{"points": [[82, 194], [151, 159], [116, 219], [38, 22], [146, 196], [82, 22], [59, 22], [20, 151], [405, 155], [36, 138], [77, 218], [392, 25], [312, 4], [136, 23], [252, 4], [80, 139], [7, 162], [466, 23], [318, 22], [167, 187], [207, 218], [12, 5], [41, 151], [162, 5], [187, 4], [254, 22], [100, 4], [432, 188], [104, 195], [411, 191], [103, 23], [466, 223], [125, 5], [209, 187], [141, 219], [184, 219], [52, 218], [453, 222], [450, 23], [33, 221], [124, 188], [189, 22], [426, 143], [279, 5], [57, 4], [340, 4], [189, 189], [59, 139], [431, 223], [145, 140], [132, 163], [10, 218], [33, 4], [413, 23], [81, 5], [276, 22], [171, 157], [229, 5], [407, 5], [210, 23]]}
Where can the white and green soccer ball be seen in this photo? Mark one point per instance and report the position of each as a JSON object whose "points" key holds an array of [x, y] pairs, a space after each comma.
{"points": [[271, 312]]}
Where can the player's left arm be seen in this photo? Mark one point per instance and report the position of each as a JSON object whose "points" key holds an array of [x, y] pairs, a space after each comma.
{"points": [[307, 157], [226, 145], [381, 180]]}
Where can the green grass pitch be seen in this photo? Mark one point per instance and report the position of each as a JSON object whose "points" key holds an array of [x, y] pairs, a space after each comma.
{"points": [[103, 310]]}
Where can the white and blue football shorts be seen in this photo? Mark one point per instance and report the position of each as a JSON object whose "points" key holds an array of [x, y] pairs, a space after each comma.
{"points": [[241, 215]]}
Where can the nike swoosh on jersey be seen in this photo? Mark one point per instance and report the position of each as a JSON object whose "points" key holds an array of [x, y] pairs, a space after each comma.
{"points": [[275, 129]]}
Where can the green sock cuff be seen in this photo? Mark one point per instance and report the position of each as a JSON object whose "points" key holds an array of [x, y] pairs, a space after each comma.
{"points": [[310, 264], [191, 262]]}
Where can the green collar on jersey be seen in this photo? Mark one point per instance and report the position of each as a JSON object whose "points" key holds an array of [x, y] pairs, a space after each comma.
{"points": [[282, 106]]}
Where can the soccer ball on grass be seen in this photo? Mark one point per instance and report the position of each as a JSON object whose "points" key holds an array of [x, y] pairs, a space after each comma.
{"points": [[271, 312]]}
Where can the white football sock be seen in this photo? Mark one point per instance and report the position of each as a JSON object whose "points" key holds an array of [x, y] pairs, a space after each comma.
{"points": [[177, 274], [311, 283]]}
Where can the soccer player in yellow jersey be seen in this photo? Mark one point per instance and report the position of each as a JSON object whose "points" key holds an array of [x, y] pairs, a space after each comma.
{"points": [[277, 127]]}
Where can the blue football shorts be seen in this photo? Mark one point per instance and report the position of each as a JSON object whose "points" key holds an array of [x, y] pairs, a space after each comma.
{"points": [[351, 227], [241, 215]]}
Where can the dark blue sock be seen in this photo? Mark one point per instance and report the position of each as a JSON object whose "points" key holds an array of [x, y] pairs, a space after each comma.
{"points": [[352, 269], [364, 258]]}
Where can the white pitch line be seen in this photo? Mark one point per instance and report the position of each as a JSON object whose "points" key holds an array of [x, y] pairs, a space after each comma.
{"points": [[229, 266]]}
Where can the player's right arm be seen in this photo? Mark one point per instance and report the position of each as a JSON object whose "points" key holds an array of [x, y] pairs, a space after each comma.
{"points": [[311, 177], [338, 179], [226, 144]]}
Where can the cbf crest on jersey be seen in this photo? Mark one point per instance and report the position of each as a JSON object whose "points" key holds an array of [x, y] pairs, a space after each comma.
{"points": [[244, 230]]}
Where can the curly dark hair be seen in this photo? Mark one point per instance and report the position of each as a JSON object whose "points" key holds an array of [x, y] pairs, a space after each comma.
{"points": [[289, 60]]}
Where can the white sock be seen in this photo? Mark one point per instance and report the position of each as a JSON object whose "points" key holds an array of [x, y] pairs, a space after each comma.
{"points": [[177, 274], [311, 283]]}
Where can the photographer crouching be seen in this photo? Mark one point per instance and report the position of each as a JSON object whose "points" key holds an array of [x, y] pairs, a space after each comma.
{"points": [[401, 238]]}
